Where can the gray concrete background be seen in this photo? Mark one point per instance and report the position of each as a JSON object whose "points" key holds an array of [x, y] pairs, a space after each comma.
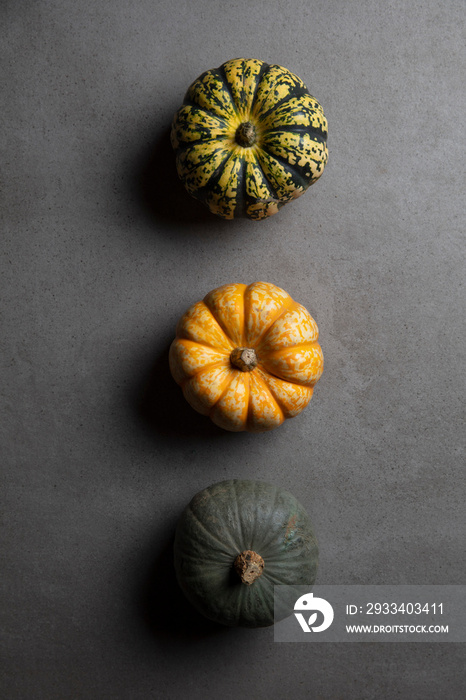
{"points": [[102, 251]]}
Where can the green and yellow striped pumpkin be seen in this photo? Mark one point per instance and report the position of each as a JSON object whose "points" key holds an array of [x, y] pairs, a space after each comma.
{"points": [[248, 139]]}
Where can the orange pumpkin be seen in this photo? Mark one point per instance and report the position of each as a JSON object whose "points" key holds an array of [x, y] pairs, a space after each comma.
{"points": [[247, 356]]}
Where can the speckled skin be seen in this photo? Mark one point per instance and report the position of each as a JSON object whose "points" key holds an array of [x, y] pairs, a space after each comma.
{"points": [[283, 335], [288, 155], [232, 516]]}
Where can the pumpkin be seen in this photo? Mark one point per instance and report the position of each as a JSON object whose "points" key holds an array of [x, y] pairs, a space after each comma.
{"points": [[248, 139], [247, 356], [234, 542]]}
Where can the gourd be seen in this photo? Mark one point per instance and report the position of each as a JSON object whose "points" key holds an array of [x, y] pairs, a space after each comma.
{"points": [[248, 139], [234, 542], [247, 356]]}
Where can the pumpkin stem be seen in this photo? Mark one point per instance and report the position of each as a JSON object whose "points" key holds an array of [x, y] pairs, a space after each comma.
{"points": [[246, 134], [244, 359], [249, 566]]}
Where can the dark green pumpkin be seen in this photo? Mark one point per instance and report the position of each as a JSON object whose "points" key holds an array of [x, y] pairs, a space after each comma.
{"points": [[247, 518], [249, 138]]}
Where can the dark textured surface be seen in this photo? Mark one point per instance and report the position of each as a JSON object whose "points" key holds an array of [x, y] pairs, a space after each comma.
{"points": [[102, 251]]}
